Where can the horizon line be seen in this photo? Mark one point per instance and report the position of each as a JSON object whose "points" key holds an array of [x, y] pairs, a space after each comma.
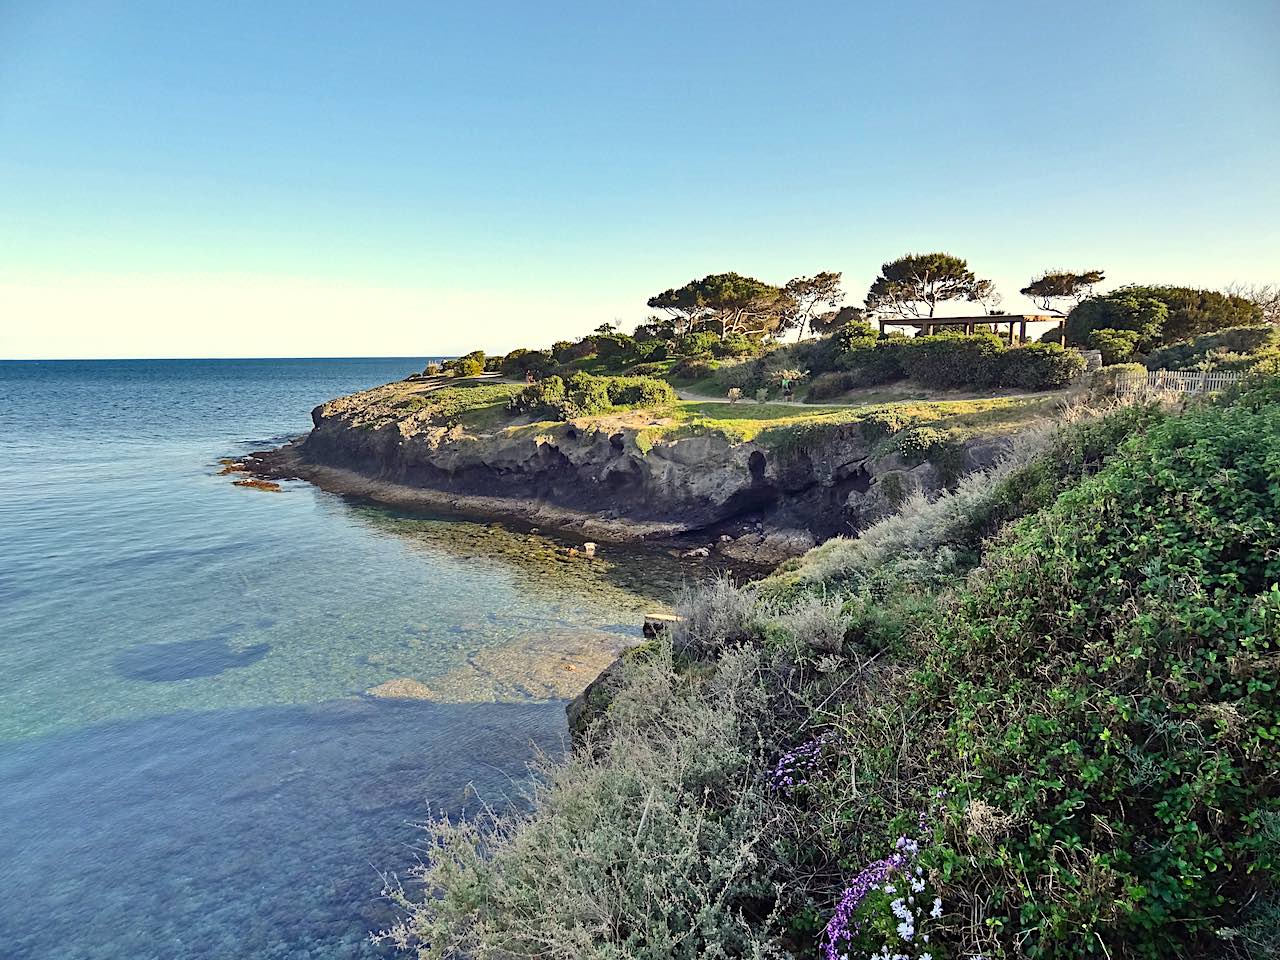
{"points": [[423, 356]]}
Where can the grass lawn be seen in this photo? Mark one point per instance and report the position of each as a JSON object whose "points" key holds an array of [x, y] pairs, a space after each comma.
{"points": [[777, 425]]}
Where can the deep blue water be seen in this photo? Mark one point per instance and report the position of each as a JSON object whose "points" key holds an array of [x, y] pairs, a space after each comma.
{"points": [[189, 763]]}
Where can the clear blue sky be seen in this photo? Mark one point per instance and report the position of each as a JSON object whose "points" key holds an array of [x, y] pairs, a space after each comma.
{"points": [[317, 178]]}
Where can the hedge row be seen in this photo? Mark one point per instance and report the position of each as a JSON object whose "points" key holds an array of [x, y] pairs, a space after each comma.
{"points": [[959, 360], [584, 395]]}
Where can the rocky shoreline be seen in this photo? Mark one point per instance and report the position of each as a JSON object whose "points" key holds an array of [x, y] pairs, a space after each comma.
{"points": [[605, 480]]}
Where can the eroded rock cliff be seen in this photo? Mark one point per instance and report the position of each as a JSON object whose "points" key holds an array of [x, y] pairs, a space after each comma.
{"points": [[634, 475]]}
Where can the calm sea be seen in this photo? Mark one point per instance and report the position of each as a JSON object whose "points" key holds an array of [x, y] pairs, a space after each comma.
{"points": [[189, 764]]}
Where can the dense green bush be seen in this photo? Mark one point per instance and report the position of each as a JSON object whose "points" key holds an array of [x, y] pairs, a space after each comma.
{"points": [[854, 336], [1038, 366], [696, 344], [952, 359], [468, 365], [918, 444], [694, 368], [651, 350], [648, 370], [876, 362], [736, 345], [1116, 346], [520, 362], [586, 395], [615, 348], [1160, 314], [639, 391], [1209, 349], [1108, 681], [546, 398], [828, 385], [1096, 702]]}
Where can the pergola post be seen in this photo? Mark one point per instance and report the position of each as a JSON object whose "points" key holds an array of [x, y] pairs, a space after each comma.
{"points": [[1022, 332]]}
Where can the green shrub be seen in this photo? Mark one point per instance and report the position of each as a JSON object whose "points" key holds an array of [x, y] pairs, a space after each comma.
{"points": [[876, 362], [1160, 314], [1038, 366], [468, 365], [952, 359], [1108, 679], [615, 348], [828, 385], [1208, 349], [586, 395], [918, 444], [736, 345], [651, 350], [694, 368], [648, 370], [854, 336], [653, 841], [696, 344], [1116, 346], [519, 363], [545, 399], [636, 391]]}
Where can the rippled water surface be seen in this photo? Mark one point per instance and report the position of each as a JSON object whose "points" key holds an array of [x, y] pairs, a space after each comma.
{"points": [[190, 765]]}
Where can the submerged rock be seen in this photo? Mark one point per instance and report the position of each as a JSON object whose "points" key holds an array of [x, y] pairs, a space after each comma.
{"points": [[186, 659], [401, 688]]}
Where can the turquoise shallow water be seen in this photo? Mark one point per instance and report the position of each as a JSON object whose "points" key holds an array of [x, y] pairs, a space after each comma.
{"points": [[189, 766]]}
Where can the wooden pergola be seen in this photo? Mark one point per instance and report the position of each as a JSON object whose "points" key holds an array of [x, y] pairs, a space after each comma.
{"points": [[993, 322]]}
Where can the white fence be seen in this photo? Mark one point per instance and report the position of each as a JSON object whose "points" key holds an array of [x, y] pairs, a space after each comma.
{"points": [[1175, 381]]}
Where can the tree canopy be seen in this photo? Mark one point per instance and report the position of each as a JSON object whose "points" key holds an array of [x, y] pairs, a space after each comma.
{"points": [[803, 296], [826, 323], [1160, 315], [1054, 287], [725, 302], [914, 285]]}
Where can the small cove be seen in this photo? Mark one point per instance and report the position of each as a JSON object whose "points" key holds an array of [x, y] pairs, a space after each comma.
{"points": [[189, 764]]}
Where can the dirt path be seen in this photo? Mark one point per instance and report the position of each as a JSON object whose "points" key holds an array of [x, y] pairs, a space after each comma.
{"points": [[699, 398], [862, 402]]}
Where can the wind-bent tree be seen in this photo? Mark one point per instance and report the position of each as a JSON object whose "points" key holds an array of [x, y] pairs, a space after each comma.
{"points": [[823, 324], [725, 302], [1061, 286], [802, 297], [985, 293], [914, 285], [1266, 296]]}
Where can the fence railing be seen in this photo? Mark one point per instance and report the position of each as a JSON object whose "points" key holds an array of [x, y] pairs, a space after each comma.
{"points": [[1175, 381]]}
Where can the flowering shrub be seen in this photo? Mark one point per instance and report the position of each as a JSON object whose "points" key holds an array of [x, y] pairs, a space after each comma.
{"points": [[888, 910], [793, 769], [920, 443]]}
